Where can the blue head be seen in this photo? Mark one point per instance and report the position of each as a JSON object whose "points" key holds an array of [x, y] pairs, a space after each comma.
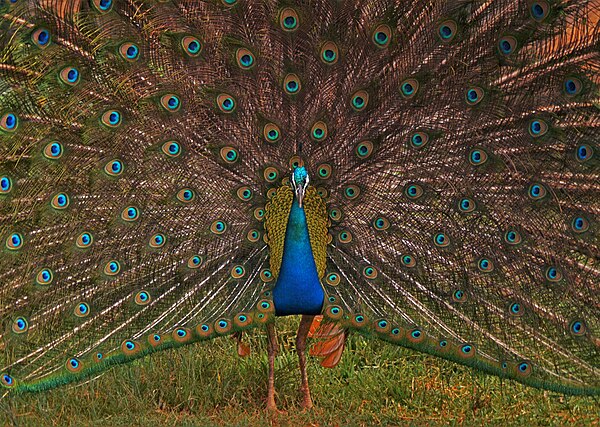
{"points": [[300, 183]]}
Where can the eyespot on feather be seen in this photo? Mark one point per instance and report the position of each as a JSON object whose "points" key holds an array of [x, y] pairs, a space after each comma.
{"points": [[14, 241], [295, 162], [7, 381], [359, 100], [142, 298], [474, 95], [157, 240], [266, 275], [292, 84], [112, 268], [523, 369], [130, 347], [194, 261], [324, 171], [409, 88], [408, 260], [53, 150], [332, 279], [441, 240], [344, 237], [259, 213], [244, 58], [419, 139], [226, 103], [69, 76], [382, 326], [415, 336], [467, 351], [60, 201], [20, 325], [382, 36], [270, 174], [74, 365], [370, 272], [329, 53], [191, 46], [82, 310], [288, 19], [182, 335], [102, 6], [84, 240], [335, 214], [41, 38], [580, 224], [572, 86], [171, 148], [170, 102], [44, 277], [447, 30], [512, 237], [477, 157], [9, 122], [238, 271], [272, 133], [6, 185], [229, 155], [413, 191], [241, 320], [114, 168], [218, 227], [204, 330], [536, 191], [537, 128], [130, 214], [186, 195], [507, 45], [253, 236], [129, 51], [539, 10], [222, 326], [318, 131], [466, 205], [381, 223], [111, 118]]}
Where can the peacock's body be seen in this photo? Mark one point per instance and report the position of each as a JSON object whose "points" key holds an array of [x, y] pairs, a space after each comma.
{"points": [[422, 172]]}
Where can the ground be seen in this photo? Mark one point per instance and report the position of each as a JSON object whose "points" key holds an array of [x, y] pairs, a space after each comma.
{"points": [[375, 384]]}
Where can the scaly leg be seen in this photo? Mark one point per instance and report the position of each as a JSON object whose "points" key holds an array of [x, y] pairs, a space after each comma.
{"points": [[300, 348], [272, 348]]}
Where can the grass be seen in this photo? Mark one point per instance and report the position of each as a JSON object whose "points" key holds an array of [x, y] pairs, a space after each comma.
{"points": [[375, 384]]}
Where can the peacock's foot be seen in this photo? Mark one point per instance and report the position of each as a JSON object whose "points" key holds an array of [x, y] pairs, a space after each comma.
{"points": [[272, 408], [306, 399]]}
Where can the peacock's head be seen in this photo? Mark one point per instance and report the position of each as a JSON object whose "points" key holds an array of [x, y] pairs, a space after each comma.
{"points": [[300, 182]]}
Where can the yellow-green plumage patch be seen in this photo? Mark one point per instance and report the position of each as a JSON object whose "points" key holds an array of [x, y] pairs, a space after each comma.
{"points": [[316, 219], [277, 212]]}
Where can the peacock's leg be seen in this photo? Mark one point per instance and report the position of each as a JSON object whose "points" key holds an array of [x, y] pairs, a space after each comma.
{"points": [[300, 348], [272, 347]]}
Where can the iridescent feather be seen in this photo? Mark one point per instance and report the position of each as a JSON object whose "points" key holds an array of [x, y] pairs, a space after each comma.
{"points": [[451, 199]]}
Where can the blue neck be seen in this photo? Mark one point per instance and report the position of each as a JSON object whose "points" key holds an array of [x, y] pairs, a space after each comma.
{"points": [[298, 289]]}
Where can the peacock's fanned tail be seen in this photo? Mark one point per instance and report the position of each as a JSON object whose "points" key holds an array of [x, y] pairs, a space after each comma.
{"points": [[455, 143]]}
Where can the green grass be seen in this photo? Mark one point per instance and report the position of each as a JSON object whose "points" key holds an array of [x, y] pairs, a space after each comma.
{"points": [[375, 384]]}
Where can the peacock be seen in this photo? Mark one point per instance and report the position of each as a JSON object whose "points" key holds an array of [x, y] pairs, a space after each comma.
{"points": [[425, 173]]}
